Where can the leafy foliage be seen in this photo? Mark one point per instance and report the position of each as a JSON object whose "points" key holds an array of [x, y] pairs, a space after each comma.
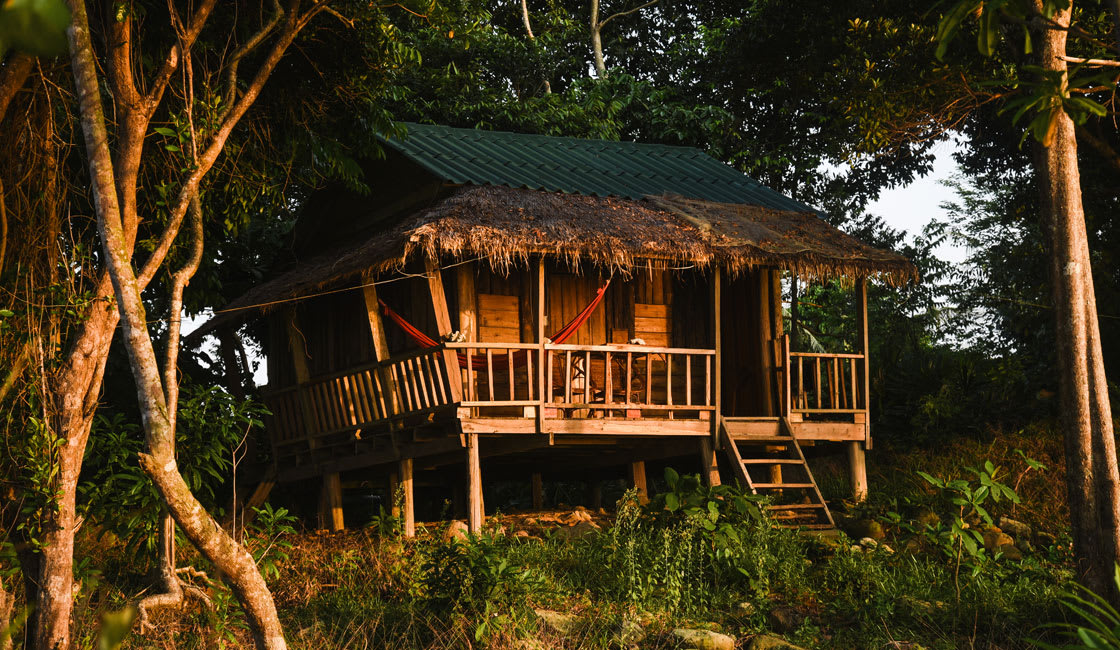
{"points": [[212, 429]]}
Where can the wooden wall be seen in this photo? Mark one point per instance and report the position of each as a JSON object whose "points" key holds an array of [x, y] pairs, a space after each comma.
{"points": [[751, 319]]}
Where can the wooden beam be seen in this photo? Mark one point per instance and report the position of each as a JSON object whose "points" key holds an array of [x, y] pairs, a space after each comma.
{"points": [[638, 480], [474, 486], [537, 484], [793, 311], [332, 491], [709, 464], [408, 507], [467, 292], [330, 502], [541, 357], [717, 344], [380, 343], [857, 468], [865, 350], [443, 325]]}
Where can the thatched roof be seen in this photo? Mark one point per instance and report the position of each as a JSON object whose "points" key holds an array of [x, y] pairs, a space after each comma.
{"points": [[506, 226]]}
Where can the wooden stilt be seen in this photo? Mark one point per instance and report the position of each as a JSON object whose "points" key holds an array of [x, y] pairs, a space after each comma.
{"points": [[638, 480], [332, 493], [538, 490], [709, 466], [595, 498], [865, 349], [474, 486], [717, 344], [408, 507], [857, 467]]}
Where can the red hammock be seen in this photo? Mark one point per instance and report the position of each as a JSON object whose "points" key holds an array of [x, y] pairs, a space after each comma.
{"points": [[558, 338]]}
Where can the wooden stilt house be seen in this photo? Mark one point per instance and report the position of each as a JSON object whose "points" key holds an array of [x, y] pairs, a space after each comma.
{"points": [[527, 304]]}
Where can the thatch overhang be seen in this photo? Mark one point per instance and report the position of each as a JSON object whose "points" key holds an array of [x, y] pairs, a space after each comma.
{"points": [[506, 227]]}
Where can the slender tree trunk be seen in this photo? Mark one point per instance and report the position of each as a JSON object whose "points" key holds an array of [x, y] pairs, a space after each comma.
{"points": [[1092, 478], [159, 462], [597, 41], [75, 389]]}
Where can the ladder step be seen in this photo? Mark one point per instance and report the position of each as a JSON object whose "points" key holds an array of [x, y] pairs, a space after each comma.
{"points": [[772, 461], [779, 486], [795, 506], [762, 439]]}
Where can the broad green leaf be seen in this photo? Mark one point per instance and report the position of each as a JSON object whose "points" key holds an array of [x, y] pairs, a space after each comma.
{"points": [[37, 27]]}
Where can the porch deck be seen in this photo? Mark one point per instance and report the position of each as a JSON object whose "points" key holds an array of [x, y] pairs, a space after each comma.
{"points": [[515, 389]]}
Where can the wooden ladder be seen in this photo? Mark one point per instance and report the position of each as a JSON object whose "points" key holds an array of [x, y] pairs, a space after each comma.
{"points": [[797, 501]]}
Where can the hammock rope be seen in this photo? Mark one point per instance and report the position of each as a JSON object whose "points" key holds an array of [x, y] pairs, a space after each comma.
{"points": [[519, 358]]}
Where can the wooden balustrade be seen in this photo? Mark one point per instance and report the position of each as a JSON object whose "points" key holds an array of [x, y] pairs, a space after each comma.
{"points": [[498, 374], [823, 382], [358, 397], [579, 381], [629, 379]]}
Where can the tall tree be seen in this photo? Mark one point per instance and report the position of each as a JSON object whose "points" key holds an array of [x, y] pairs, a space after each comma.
{"points": [[1056, 102]]}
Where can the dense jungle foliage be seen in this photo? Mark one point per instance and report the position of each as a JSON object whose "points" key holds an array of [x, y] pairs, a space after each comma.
{"points": [[830, 103]]}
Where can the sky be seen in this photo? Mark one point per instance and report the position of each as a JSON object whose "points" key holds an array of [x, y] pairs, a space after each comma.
{"points": [[911, 207]]}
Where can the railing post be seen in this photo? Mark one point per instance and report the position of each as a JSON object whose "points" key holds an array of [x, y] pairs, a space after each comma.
{"points": [[717, 299], [787, 370], [861, 319], [542, 351]]}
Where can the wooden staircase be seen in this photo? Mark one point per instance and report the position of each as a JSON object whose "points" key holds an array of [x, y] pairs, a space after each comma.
{"points": [[766, 458]]}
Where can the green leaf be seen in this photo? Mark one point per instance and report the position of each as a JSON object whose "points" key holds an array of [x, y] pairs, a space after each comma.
{"points": [[37, 27], [671, 477], [672, 502], [163, 130]]}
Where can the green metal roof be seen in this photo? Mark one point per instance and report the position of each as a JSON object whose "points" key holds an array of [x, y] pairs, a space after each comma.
{"points": [[579, 166]]}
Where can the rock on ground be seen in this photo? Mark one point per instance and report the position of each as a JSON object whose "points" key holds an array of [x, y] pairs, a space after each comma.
{"points": [[456, 530], [767, 642], [704, 639]]}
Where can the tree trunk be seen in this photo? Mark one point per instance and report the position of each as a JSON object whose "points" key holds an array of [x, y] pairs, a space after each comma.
{"points": [[159, 462], [1092, 480], [597, 41], [75, 387]]}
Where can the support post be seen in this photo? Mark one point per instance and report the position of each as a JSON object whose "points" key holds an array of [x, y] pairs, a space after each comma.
{"points": [[638, 480], [793, 309], [537, 485], [408, 507], [330, 501], [595, 498], [443, 325], [380, 345], [467, 299], [865, 350], [332, 493], [717, 344], [542, 356], [709, 465], [857, 466], [474, 486]]}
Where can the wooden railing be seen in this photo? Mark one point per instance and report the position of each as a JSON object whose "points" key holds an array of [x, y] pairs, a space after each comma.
{"points": [[359, 397], [822, 382], [585, 380], [630, 379], [498, 374]]}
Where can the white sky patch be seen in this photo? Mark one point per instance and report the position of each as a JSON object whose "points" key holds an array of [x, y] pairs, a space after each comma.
{"points": [[211, 347], [911, 207]]}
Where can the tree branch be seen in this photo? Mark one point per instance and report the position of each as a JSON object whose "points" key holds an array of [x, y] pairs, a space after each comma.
{"points": [[291, 29], [241, 52], [626, 13], [14, 72], [1093, 62]]}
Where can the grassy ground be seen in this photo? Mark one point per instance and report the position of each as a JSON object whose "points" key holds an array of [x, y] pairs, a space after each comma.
{"points": [[660, 567]]}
